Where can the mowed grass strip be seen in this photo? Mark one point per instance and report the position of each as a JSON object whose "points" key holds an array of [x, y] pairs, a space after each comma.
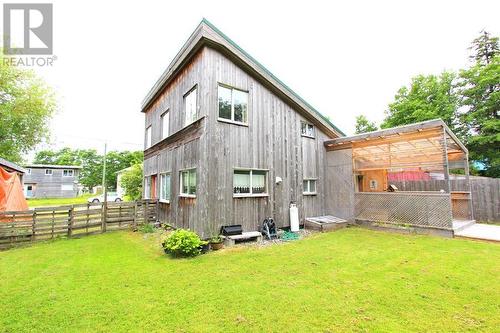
{"points": [[350, 280]]}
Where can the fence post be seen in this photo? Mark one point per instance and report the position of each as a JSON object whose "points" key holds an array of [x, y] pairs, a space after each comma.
{"points": [[104, 216], [135, 216], [33, 230], [70, 222], [146, 212]]}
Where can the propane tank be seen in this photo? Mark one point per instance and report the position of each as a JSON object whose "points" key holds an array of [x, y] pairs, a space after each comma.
{"points": [[294, 217]]}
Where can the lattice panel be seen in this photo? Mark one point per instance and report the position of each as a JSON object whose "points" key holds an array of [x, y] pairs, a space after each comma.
{"points": [[416, 209]]}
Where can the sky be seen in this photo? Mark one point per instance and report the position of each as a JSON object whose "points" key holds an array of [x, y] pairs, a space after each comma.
{"points": [[345, 58]]}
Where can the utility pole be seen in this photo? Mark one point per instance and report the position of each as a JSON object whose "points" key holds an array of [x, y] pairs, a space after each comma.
{"points": [[105, 191]]}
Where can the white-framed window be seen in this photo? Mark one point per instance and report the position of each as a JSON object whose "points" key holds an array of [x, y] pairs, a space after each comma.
{"points": [[164, 121], [190, 104], [48, 172], [147, 187], [68, 173], [165, 187], [249, 182], [233, 104], [67, 187], [306, 129], [310, 186], [148, 137], [188, 183], [28, 171]]}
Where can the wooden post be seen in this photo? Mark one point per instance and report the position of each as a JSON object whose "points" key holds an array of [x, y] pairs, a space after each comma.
{"points": [[33, 230], [53, 222], [135, 216], [87, 221], [70, 221], [104, 217], [469, 187], [446, 169], [146, 212]]}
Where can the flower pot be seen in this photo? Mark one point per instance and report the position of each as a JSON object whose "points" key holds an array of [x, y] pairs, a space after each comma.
{"points": [[216, 246]]}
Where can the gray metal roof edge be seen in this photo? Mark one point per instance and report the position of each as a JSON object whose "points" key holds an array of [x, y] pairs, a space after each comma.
{"points": [[12, 165], [53, 166]]}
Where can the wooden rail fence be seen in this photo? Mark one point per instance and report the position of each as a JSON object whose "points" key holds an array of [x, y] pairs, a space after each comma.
{"points": [[39, 224]]}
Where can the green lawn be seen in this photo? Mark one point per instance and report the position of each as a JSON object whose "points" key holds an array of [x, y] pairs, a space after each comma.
{"points": [[350, 280], [48, 202]]}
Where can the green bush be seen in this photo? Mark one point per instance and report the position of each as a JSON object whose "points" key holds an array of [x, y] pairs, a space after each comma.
{"points": [[147, 228], [183, 243]]}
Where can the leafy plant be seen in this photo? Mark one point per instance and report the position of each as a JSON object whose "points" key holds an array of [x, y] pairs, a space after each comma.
{"points": [[183, 243], [216, 239], [147, 228]]}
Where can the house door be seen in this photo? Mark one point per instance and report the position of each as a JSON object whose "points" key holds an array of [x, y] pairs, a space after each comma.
{"points": [[28, 190]]}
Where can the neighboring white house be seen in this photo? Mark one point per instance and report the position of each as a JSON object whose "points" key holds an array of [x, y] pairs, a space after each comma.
{"points": [[120, 191]]}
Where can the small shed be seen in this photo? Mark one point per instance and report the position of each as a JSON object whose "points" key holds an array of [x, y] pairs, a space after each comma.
{"points": [[413, 151], [11, 189]]}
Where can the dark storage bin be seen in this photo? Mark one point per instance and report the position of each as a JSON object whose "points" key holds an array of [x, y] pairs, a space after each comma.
{"points": [[230, 230]]}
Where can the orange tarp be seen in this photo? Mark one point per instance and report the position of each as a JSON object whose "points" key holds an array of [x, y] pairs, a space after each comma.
{"points": [[11, 192]]}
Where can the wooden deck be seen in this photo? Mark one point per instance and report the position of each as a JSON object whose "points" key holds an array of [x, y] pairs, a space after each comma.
{"points": [[325, 223]]}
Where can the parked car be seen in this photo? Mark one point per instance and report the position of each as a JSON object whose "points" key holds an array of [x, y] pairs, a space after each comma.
{"points": [[112, 196]]}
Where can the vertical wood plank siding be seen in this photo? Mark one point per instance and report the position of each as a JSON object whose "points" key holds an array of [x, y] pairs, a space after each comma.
{"points": [[271, 141]]}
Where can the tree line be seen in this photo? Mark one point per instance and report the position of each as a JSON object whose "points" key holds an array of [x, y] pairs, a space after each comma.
{"points": [[468, 101]]}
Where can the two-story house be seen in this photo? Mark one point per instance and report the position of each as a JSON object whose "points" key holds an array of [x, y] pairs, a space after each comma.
{"points": [[226, 142], [51, 181]]}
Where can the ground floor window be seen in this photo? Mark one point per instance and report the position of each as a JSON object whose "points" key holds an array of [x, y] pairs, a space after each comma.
{"points": [[165, 187], [249, 182], [188, 182], [310, 186]]}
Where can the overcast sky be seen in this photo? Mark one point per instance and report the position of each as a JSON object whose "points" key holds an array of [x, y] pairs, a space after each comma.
{"points": [[345, 58]]}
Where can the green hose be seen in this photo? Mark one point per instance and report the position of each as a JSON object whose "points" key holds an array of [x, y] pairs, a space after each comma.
{"points": [[289, 236]]}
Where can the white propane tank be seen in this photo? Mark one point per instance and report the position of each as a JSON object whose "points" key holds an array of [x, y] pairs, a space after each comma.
{"points": [[294, 218]]}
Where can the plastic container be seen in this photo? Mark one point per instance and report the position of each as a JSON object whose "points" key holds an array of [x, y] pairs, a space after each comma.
{"points": [[294, 218]]}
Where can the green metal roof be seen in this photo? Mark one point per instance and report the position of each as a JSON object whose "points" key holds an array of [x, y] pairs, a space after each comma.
{"points": [[230, 41]]}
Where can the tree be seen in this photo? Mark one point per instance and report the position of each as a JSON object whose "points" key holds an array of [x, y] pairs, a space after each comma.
{"points": [[427, 97], [480, 96], [363, 125], [91, 163], [26, 105], [132, 182]]}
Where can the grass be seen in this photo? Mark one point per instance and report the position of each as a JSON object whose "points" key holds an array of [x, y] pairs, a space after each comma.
{"points": [[350, 280], [47, 202]]}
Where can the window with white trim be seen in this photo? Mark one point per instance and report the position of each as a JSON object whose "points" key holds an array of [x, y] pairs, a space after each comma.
{"points": [[147, 187], [306, 129], [233, 104], [190, 102], [148, 137], [164, 121], [68, 173], [249, 182], [48, 172], [165, 187], [188, 182], [309, 186]]}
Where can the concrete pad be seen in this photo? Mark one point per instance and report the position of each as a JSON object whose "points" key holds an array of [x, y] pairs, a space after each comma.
{"points": [[481, 231]]}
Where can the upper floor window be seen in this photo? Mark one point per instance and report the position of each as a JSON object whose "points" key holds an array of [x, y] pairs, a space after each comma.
{"points": [[233, 104], [164, 121], [68, 173], [148, 137], [249, 182], [307, 129], [309, 186], [165, 187], [188, 182], [190, 106], [48, 172]]}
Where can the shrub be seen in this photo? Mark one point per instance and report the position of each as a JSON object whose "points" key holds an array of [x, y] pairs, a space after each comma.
{"points": [[147, 228], [183, 243]]}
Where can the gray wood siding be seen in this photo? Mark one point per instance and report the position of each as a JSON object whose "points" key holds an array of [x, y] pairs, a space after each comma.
{"points": [[271, 141], [50, 186], [339, 184]]}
